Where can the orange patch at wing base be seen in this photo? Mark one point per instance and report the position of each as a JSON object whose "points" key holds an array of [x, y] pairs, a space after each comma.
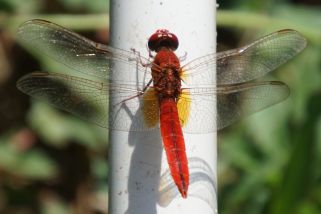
{"points": [[150, 108], [182, 75], [184, 107]]}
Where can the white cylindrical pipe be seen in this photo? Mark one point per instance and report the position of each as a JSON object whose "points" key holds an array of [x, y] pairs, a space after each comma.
{"points": [[138, 164]]}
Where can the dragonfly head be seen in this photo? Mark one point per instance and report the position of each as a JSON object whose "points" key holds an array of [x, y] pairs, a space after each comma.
{"points": [[162, 38]]}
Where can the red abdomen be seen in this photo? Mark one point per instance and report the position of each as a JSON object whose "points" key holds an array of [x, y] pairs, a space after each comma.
{"points": [[174, 144]]}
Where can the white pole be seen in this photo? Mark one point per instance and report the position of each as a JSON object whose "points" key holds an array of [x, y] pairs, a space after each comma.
{"points": [[138, 164]]}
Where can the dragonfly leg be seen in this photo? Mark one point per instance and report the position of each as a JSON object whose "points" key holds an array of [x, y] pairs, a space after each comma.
{"points": [[140, 93], [150, 55], [129, 98], [140, 59], [183, 58]]}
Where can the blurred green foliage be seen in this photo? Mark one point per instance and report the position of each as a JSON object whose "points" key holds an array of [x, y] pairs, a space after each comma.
{"points": [[34, 164], [51, 162], [269, 163]]}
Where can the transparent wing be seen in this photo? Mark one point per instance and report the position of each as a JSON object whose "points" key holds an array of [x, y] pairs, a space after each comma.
{"points": [[88, 99], [78, 52], [249, 62], [233, 102], [244, 100]]}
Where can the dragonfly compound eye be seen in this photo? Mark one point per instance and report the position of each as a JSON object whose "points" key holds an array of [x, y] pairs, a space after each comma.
{"points": [[162, 38]]}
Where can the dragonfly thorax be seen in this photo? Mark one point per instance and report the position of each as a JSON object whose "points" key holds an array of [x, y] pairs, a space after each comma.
{"points": [[165, 73]]}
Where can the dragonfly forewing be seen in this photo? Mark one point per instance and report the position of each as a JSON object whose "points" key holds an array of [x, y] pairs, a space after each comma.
{"points": [[78, 52], [251, 61]]}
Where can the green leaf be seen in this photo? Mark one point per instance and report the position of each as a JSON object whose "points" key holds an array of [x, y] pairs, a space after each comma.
{"points": [[57, 128]]}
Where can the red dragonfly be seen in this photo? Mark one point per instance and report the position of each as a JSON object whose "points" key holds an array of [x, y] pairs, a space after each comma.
{"points": [[150, 92]]}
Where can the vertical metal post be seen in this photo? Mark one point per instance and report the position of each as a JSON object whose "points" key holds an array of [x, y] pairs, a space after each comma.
{"points": [[138, 165]]}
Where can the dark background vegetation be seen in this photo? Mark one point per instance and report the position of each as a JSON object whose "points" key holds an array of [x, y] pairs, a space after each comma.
{"points": [[52, 162]]}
